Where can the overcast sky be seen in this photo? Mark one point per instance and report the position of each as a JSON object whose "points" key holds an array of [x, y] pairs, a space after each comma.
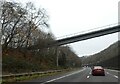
{"points": [[73, 16]]}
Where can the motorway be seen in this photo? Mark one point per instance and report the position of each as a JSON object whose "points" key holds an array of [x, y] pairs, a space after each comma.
{"points": [[82, 75]]}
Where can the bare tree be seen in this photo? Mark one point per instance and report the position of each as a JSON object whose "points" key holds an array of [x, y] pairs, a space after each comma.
{"points": [[36, 18], [10, 19], [20, 24]]}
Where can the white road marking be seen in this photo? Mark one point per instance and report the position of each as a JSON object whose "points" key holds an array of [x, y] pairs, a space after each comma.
{"points": [[115, 76], [88, 76], [63, 76], [112, 75], [108, 73]]}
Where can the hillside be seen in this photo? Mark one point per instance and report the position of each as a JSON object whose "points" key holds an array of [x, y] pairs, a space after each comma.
{"points": [[108, 56]]}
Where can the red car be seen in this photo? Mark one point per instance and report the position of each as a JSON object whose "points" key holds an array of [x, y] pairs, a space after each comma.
{"points": [[98, 70]]}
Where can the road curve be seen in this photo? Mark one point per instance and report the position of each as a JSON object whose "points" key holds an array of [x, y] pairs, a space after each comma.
{"points": [[82, 75]]}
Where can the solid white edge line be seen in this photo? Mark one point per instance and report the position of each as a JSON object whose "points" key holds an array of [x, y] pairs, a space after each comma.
{"points": [[63, 76]]}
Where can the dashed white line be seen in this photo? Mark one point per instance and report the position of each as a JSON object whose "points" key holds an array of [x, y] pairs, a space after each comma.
{"points": [[88, 76], [108, 73], [113, 70], [115, 76], [112, 75]]}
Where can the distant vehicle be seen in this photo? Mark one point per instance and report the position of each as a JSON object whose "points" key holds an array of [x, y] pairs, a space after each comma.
{"points": [[98, 70]]}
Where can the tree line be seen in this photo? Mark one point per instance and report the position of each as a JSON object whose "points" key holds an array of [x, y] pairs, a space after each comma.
{"points": [[24, 41]]}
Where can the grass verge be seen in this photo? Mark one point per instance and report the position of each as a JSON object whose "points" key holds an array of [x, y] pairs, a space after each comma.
{"points": [[30, 77]]}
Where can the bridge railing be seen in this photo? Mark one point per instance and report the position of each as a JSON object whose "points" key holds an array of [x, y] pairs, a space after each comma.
{"points": [[86, 31]]}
